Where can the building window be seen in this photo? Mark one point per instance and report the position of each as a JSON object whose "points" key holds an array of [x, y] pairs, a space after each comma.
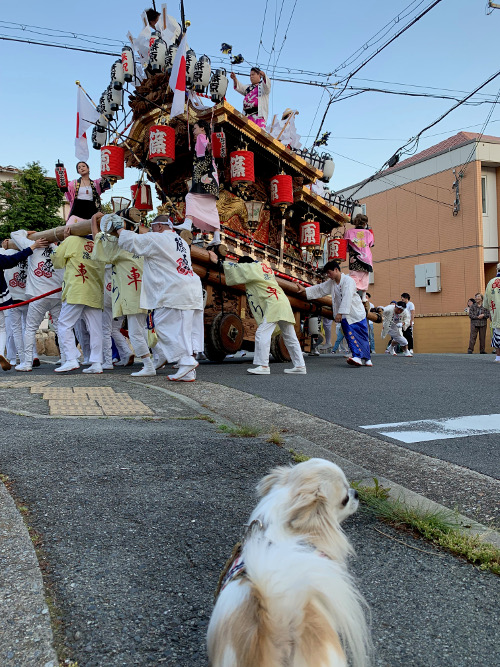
{"points": [[483, 193]]}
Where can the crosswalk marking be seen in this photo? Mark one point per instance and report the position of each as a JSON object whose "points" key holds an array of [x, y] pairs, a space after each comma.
{"points": [[424, 430]]}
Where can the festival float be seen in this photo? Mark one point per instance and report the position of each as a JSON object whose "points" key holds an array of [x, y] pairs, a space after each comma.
{"points": [[267, 205]]}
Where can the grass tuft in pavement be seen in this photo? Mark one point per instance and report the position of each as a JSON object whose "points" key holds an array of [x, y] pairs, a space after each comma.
{"points": [[243, 431], [440, 528]]}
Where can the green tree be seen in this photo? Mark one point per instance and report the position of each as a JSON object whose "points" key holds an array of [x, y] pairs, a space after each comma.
{"points": [[31, 201]]}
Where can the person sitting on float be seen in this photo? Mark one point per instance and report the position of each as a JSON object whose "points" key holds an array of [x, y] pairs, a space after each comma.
{"points": [[285, 130], [201, 207], [84, 195], [256, 96]]}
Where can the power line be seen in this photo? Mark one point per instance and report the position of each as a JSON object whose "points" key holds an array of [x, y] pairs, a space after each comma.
{"points": [[261, 32]]}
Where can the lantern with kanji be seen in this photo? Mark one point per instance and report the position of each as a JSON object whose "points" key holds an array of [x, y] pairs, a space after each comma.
{"points": [[219, 146], [201, 76], [242, 168], [309, 234], [98, 137], [157, 55], [61, 177], [116, 98], [218, 85], [190, 67], [102, 123], [128, 63], [141, 197], [112, 163], [108, 99], [170, 57], [337, 249], [117, 75], [161, 145], [282, 190]]}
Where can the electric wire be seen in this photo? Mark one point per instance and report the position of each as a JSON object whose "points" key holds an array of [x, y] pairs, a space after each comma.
{"points": [[261, 32], [478, 139]]}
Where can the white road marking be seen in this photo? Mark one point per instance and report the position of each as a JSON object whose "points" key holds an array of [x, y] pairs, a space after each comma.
{"points": [[439, 429]]}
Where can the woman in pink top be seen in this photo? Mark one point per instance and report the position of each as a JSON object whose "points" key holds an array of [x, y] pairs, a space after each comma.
{"points": [[84, 195], [201, 208], [360, 240]]}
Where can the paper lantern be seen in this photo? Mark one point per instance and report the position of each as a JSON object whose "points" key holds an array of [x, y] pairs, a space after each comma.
{"points": [[191, 61], [141, 196], [98, 138], [201, 76], [328, 169], [337, 249], [61, 177], [218, 85], [102, 123], [281, 190], [161, 144], [128, 63], [170, 57], [309, 234], [157, 56], [242, 167], [112, 163], [117, 75], [108, 101], [219, 146], [116, 98]]}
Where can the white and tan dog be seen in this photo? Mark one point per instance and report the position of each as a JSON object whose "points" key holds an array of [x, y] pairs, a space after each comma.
{"points": [[287, 600]]}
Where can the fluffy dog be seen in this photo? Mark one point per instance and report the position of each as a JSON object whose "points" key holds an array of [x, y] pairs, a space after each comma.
{"points": [[287, 599]]}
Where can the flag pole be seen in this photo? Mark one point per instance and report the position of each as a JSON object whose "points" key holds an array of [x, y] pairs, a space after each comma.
{"points": [[83, 89]]}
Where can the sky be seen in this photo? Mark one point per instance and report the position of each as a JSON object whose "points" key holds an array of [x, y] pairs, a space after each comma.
{"points": [[453, 47]]}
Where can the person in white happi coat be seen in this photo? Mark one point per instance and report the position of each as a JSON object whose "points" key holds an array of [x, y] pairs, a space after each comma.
{"points": [[348, 310], [395, 320], [41, 278], [170, 288], [16, 280]]}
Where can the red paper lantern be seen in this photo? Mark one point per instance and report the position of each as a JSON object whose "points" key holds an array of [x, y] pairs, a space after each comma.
{"points": [[61, 177], [219, 147], [281, 190], [242, 167], [309, 233], [141, 196], [112, 162], [337, 249], [161, 143]]}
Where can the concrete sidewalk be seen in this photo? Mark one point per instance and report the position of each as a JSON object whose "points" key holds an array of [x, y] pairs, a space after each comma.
{"points": [[138, 516]]}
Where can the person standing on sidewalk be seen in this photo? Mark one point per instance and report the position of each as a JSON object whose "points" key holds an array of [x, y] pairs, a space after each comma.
{"points": [[410, 307], [492, 302], [348, 310], [478, 322], [270, 307]]}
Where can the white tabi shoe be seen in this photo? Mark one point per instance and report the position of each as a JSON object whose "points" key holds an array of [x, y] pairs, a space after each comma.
{"points": [[183, 370], [159, 363], [148, 370], [108, 367], [24, 368], [354, 361], [367, 362], [407, 353], [70, 365], [94, 369], [189, 377], [259, 370], [296, 370]]}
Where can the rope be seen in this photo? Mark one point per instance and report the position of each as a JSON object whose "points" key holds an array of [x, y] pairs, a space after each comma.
{"points": [[35, 298]]}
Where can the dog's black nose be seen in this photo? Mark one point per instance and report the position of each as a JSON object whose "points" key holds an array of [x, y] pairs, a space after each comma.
{"points": [[356, 495]]}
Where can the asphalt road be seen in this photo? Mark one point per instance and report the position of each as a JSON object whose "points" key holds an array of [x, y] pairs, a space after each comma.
{"points": [[138, 518], [395, 390]]}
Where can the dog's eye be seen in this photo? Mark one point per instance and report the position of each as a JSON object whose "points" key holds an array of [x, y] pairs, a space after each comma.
{"points": [[345, 501]]}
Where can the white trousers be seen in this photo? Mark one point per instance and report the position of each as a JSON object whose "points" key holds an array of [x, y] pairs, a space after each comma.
{"points": [[3, 333], [10, 345], [36, 313], [198, 331], [83, 338], [174, 329], [396, 333], [138, 334], [68, 317], [263, 337], [18, 323], [111, 328]]}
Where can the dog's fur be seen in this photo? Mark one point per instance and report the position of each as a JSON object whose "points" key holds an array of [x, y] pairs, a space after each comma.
{"points": [[296, 605]]}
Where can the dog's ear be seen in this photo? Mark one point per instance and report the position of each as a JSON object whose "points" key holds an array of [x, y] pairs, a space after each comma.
{"points": [[309, 508], [276, 476]]}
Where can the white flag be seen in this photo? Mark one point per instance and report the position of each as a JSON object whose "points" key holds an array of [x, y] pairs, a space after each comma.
{"points": [[86, 116], [178, 80]]}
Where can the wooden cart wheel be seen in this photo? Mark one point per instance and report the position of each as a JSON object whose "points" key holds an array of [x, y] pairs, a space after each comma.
{"points": [[278, 348], [225, 336]]}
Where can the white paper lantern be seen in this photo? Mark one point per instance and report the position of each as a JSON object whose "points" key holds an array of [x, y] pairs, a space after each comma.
{"points": [[117, 75], [157, 54], [328, 169], [98, 139], [116, 99], [218, 85], [190, 67], [201, 77], [128, 63], [102, 123], [108, 100], [170, 57]]}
